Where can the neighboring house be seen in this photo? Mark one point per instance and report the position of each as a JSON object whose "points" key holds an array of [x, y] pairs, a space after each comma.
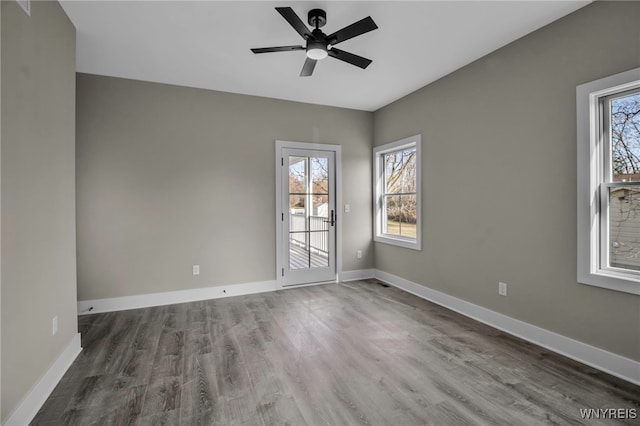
{"points": [[624, 227]]}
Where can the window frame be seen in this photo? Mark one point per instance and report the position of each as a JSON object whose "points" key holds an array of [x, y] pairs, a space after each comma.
{"points": [[378, 193], [593, 183]]}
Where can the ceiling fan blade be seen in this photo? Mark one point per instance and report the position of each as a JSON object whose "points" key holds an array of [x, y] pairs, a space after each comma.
{"points": [[295, 21], [350, 58], [307, 68], [362, 26], [277, 49]]}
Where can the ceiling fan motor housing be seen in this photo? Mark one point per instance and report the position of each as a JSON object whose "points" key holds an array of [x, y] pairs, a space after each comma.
{"points": [[317, 49], [317, 18]]}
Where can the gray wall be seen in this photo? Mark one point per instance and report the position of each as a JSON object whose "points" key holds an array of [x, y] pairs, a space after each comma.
{"points": [[38, 190], [499, 178], [172, 176]]}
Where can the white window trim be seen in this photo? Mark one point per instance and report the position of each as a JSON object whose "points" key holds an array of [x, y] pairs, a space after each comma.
{"points": [[378, 179], [589, 154]]}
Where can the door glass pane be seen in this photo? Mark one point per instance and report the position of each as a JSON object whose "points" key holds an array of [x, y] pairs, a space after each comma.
{"points": [[321, 206], [297, 175], [297, 204], [624, 227], [298, 240], [297, 232], [320, 175], [319, 235], [308, 212]]}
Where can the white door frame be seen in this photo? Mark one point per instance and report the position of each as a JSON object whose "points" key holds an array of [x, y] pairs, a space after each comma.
{"points": [[337, 149]]}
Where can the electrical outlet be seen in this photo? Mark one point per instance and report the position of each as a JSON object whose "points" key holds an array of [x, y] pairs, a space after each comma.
{"points": [[196, 270], [502, 289], [54, 326], [359, 254]]}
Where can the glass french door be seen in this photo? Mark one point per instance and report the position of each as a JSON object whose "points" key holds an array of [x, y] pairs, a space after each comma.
{"points": [[308, 216]]}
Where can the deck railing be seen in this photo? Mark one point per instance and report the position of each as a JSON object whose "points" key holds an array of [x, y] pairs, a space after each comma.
{"points": [[312, 235]]}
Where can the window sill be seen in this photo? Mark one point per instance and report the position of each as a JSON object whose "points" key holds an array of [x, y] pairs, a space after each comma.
{"points": [[612, 281], [398, 241]]}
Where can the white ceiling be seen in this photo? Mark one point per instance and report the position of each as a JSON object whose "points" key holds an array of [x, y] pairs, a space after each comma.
{"points": [[206, 44]]}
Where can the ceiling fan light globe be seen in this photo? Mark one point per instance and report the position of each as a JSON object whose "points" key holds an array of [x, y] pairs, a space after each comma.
{"points": [[317, 53]]}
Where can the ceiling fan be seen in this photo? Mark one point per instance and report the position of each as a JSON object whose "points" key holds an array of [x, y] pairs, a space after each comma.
{"points": [[319, 45]]}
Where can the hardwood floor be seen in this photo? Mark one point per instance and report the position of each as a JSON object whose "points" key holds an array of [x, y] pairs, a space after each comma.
{"points": [[338, 354]]}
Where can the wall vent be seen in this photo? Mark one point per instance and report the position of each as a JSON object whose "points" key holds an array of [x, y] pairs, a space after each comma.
{"points": [[25, 5]]}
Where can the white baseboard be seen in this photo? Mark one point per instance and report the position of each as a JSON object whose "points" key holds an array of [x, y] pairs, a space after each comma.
{"points": [[38, 394], [616, 365], [171, 297], [113, 304], [360, 274]]}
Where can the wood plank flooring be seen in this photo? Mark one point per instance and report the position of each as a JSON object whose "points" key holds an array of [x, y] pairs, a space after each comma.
{"points": [[338, 354]]}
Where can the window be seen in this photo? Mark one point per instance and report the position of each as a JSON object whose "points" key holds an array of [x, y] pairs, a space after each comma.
{"points": [[608, 112], [397, 193]]}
